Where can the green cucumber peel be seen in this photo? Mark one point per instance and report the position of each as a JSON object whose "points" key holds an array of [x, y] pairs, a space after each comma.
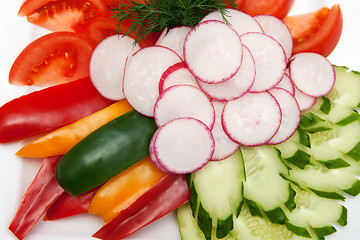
{"points": [[354, 190], [349, 119], [300, 159], [255, 210], [331, 195], [318, 129], [326, 105], [277, 215], [310, 119], [304, 138], [204, 222], [300, 231], [342, 221], [334, 164], [324, 231], [224, 226], [355, 152], [290, 203]]}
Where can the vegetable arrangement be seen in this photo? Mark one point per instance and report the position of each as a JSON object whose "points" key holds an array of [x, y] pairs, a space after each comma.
{"points": [[227, 111]]}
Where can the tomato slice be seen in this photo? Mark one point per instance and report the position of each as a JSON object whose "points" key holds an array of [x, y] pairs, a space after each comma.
{"points": [[61, 15], [98, 28], [317, 32], [277, 8], [52, 59]]}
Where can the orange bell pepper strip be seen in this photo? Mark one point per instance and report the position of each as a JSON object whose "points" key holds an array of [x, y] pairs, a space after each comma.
{"points": [[63, 139], [122, 190]]}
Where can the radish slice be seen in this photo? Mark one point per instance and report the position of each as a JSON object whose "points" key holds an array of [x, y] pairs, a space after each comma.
{"points": [[224, 146], [290, 117], [236, 86], [152, 154], [286, 84], [184, 101], [270, 60], [184, 145], [142, 76], [277, 29], [239, 21], [175, 75], [213, 51], [107, 65], [312, 74], [305, 101], [174, 39], [253, 119]]}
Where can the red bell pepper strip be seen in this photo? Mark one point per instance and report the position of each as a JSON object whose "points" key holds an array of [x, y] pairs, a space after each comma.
{"points": [[49, 109], [68, 205], [42, 192], [168, 194]]}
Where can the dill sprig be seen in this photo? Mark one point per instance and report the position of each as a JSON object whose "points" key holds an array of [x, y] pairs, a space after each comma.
{"points": [[156, 15]]}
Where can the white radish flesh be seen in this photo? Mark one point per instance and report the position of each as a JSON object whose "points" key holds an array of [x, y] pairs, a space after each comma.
{"points": [[213, 51], [277, 29], [236, 86], [290, 115], [239, 21], [107, 65], [184, 145], [224, 146], [175, 75], [312, 74], [286, 84], [152, 154], [184, 101], [253, 119], [142, 75], [270, 60], [305, 101], [174, 39]]}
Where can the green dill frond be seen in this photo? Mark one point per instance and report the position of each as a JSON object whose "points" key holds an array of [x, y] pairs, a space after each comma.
{"points": [[156, 15]]}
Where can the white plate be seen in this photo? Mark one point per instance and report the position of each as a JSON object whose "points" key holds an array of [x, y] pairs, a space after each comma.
{"points": [[16, 173]]}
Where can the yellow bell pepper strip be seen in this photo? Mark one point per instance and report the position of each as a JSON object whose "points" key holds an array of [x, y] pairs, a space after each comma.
{"points": [[123, 189], [62, 140], [42, 192], [167, 195]]}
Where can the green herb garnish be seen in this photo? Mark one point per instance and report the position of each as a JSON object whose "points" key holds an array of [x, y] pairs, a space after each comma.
{"points": [[156, 15]]}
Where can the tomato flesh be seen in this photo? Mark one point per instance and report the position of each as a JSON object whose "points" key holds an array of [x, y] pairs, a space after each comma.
{"points": [[61, 15], [55, 58], [317, 32], [277, 8]]}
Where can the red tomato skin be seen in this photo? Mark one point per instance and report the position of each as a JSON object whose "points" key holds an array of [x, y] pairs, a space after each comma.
{"points": [[326, 38], [277, 8], [49, 109], [73, 50], [30, 6], [98, 28]]}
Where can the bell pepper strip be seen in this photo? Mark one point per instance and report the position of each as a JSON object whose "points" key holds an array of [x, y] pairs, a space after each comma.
{"points": [[42, 192], [105, 152], [49, 109], [63, 139], [68, 205], [123, 189], [167, 195]]}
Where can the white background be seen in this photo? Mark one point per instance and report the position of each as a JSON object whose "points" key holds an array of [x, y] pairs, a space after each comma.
{"points": [[16, 173]]}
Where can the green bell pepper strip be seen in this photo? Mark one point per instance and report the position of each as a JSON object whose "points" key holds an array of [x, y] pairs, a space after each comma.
{"points": [[106, 152]]}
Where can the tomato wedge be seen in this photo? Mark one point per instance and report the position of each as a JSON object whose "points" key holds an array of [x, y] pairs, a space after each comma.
{"points": [[317, 32], [54, 58], [98, 28], [61, 15], [277, 8]]}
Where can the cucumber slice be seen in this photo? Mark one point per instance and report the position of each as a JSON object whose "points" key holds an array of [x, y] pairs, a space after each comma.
{"points": [[315, 216], [214, 202], [249, 227], [189, 230], [264, 168]]}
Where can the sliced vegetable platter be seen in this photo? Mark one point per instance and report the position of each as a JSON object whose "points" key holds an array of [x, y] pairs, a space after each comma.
{"points": [[16, 174]]}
